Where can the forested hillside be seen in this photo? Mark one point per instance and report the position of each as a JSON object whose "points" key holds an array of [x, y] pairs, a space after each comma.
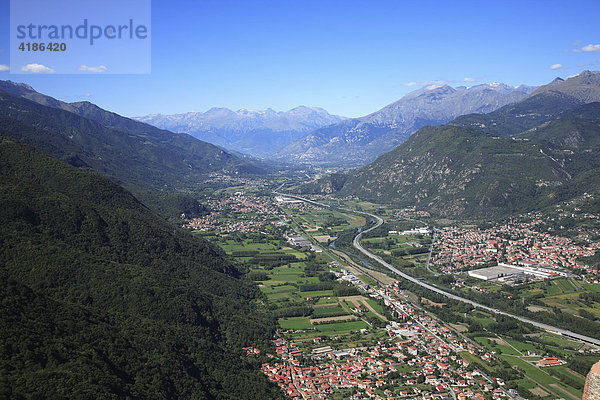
{"points": [[101, 298]]}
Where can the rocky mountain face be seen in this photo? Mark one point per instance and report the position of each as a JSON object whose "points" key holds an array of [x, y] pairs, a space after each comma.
{"points": [[535, 153], [357, 141], [255, 132], [543, 105]]}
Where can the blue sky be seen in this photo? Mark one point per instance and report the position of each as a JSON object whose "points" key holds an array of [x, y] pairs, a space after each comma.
{"points": [[349, 57]]}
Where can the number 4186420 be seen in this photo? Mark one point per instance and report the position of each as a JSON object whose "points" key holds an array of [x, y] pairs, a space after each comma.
{"points": [[42, 46]]}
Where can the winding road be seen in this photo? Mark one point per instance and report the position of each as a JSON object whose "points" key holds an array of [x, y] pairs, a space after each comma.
{"points": [[374, 257]]}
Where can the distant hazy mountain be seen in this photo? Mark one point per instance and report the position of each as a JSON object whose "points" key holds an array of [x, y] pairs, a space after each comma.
{"points": [[538, 152], [358, 141], [254, 132]]}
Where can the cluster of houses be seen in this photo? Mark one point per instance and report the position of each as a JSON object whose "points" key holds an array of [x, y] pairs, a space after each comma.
{"points": [[410, 212], [340, 370], [428, 352], [251, 214], [232, 180], [518, 244]]}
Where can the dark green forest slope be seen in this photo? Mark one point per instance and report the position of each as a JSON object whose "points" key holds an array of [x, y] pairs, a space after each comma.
{"points": [[131, 153], [459, 172], [101, 298]]}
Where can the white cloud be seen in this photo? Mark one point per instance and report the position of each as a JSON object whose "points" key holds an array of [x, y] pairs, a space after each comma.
{"points": [[87, 95], [426, 83], [588, 49], [4, 68], [558, 66], [469, 79], [37, 69], [97, 70]]}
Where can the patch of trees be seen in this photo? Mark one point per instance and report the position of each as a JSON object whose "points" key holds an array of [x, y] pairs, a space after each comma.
{"points": [[565, 377], [272, 260], [327, 276], [587, 315], [334, 221], [257, 276], [340, 289], [590, 297], [410, 251], [312, 266], [326, 322], [582, 364]]}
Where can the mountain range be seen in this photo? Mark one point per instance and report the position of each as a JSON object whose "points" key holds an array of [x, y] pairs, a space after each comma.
{"points": [[131, 152], [254, 132], [357, 141], [101, 296], [533, 153]]}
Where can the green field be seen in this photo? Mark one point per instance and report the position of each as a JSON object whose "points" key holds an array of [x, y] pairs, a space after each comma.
{"points": [[522, 347], [499, 348], [483, 321], [538, 375], [278, 289], [341, 327], [327, 300], [376, 306], [560, 342], [562, 371], [329, 310], [368, 280], [473, 359], [295, 323], [532, 371]]}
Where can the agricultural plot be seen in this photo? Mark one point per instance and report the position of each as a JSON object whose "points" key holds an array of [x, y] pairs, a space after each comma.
{"points": [[326, 301], [295, 323], [482, 318], [336, 309], [326, 220], [546, 380], [375, 305], [476, 360], [342, 327], [522, 347], [560, 342], [498, 345], [367, 279], [564, 294]]}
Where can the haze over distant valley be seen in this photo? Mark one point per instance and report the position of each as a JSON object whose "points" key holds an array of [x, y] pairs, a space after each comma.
{"points": [[255, 132]]}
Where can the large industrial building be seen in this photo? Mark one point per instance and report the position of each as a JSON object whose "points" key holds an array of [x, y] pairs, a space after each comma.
{"points": [[506, 272], [491, 273]]}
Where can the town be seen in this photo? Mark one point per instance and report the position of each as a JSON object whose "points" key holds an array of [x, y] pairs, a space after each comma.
{"points": [[423, 348], [518, 243], [380, 340]]}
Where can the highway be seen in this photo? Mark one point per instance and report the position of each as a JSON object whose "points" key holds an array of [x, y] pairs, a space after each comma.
{"points": [[430, 252], [374, 257]]}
